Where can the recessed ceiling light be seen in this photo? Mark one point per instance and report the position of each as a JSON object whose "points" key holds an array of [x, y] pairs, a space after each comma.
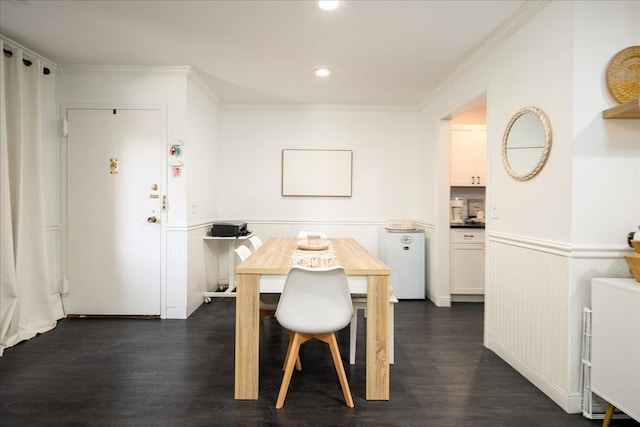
{"points": [[322, 72], [328, 4]]}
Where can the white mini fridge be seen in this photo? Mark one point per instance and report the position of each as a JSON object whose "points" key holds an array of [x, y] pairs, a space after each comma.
{"points": [[403, 252]]}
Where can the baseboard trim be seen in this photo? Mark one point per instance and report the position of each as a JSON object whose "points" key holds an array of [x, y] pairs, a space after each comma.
{"points": [[443, 302], [467, 298], [176, 313], [570, 403]]}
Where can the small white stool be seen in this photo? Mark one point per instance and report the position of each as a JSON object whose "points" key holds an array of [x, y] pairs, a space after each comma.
{"points": [[360, 303]]}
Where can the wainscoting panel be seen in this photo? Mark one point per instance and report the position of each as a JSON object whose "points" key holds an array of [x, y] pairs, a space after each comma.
{"points": [[527, 305], [199, 266], [176, 273]]}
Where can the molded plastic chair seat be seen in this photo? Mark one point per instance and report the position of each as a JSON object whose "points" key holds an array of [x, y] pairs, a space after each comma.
{"points": [[315, 303], [242, 252], [255, 242]]}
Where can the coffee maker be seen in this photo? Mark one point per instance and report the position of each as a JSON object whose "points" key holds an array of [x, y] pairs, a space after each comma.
{"points": [[456, 210]]}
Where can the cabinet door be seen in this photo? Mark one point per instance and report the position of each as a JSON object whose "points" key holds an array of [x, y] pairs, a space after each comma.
{"points": [[467, 269], [615, 351], [480, 155], [461, 157], [468, 155]]}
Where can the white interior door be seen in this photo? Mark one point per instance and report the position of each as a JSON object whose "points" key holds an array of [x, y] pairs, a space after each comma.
{"points": [[114, 186]]}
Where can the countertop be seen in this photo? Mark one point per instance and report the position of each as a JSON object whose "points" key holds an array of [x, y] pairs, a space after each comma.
{"points": [[468, 225]]}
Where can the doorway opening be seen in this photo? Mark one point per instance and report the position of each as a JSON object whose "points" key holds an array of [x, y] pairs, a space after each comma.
{"points": [[467, 195]]}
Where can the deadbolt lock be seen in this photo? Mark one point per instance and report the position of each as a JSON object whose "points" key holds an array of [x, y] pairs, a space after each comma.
{"points": [[154, 187]]}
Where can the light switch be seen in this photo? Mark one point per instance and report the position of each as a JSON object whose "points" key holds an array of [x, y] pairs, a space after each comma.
{"points": [[495, 210]]}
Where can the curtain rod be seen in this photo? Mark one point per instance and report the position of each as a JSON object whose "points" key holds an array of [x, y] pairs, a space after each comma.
{"points": [[48, 64], [9, 54]]}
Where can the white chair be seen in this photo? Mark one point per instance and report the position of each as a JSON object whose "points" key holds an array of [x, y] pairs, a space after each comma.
{"points": [[267, 307], [243, 252], [315, 303], [255, 242], [360, 303], [303, 234]]}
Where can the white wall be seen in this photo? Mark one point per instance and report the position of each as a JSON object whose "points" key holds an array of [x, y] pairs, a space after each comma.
{"points": [[534, 285], [606, 176], [387, 162], [528, 272], [201, 175], [201, 153], [606, 158], [388, 171]]}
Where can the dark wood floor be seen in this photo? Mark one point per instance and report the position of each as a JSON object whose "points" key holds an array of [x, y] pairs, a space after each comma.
{"points": [[126, 372]]}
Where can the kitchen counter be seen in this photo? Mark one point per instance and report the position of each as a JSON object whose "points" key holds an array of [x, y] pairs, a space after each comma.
{"points": [[468, 225]]}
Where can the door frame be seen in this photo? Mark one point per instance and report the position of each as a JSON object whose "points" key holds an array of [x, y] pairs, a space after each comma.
{"points": [[443, 239], [63, 190]]}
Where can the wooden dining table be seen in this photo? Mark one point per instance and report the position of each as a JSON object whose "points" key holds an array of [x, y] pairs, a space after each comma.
{"points": [[265, 271]]}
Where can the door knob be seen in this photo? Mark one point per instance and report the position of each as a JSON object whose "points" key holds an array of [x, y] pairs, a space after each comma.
{"points": [[152, 220]]}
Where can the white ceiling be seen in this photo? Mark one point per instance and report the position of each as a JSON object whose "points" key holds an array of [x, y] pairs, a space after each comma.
{"points": [[263, 52]]}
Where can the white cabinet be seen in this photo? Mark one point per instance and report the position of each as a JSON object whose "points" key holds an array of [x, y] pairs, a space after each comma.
{"points": [[615, 343], [468, 155], [467, 261]]}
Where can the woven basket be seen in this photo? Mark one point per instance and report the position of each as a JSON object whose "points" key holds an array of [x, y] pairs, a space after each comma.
{"points": [[634, 265], [623, 75]]}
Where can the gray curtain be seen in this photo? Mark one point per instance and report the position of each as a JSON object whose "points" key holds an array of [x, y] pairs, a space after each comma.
{"points": [[25, 309]]}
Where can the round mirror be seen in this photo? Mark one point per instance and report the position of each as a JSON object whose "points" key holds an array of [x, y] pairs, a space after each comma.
{"points": [[526, 143]]}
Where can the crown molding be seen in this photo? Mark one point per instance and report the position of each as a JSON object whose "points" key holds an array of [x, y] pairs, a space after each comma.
{"points": [[194, 76], [518, 20], [181, 70], [82, 68], [320, 107]]}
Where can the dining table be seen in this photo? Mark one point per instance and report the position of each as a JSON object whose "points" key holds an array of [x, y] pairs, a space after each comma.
{"points": [[265, 271]]}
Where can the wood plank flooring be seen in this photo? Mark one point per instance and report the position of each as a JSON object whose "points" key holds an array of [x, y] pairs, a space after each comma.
{"points": [[132, 372]]}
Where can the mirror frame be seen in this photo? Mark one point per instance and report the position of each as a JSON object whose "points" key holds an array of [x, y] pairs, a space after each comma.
{"points": [[546, 149]]}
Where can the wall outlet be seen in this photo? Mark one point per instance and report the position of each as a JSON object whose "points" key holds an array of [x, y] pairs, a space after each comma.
{"points": [[194, 207]]}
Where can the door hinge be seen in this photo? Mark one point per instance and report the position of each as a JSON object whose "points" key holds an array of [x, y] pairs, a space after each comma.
{"points": [[65, 127]]}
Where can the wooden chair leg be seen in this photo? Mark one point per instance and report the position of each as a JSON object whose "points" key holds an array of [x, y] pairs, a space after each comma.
{"points": [[291, 358], [286, 358], [265, 313], [294, 346], [608, 415], [337, 361]]}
